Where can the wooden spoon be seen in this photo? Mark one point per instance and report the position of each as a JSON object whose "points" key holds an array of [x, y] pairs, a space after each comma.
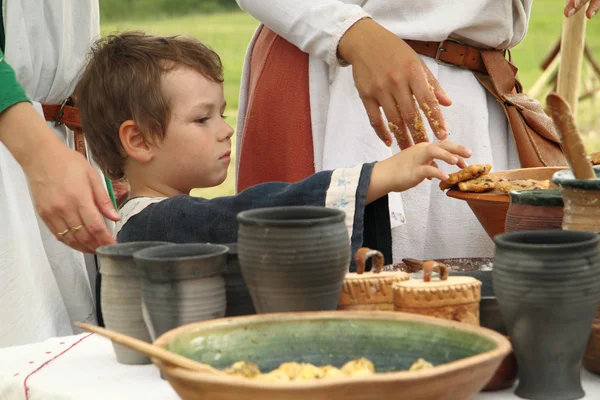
{"points": [[149, 349], [570, 139]]}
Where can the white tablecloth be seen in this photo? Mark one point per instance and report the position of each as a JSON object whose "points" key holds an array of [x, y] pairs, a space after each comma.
{"points": [[84, 367]]}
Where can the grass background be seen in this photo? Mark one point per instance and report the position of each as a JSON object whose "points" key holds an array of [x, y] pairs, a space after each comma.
{"points": [[228, 30]]}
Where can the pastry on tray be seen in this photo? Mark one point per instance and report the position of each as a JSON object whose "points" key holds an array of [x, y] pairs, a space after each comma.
{"points": [[482, 184], [476, 179], [527, 184], [465, 174], [595, 158]]}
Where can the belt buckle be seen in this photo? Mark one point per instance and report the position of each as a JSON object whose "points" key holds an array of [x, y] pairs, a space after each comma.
{"points": [[441, 49], [61, 111]]}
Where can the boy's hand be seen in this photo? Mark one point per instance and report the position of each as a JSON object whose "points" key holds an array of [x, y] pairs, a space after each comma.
{"points": [[411, 166]]}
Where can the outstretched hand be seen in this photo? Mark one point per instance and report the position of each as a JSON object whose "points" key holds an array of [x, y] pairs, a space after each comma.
{"points": [[412, 166]]}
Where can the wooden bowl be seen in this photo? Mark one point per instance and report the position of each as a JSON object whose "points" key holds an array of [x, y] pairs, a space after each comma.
{"points": [[465, 357], [490, 208]]}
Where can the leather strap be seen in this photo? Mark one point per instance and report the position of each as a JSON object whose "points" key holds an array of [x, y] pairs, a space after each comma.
{"points": [[68, 115], [451, 52]]}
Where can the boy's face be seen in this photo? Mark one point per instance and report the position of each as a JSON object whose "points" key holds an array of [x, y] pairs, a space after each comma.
{"points": [[196, 149]]}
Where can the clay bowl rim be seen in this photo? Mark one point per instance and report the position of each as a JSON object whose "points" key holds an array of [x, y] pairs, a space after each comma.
{"points": [[566, 179], [106, 250], [503, 348], [142, 255], [260, 216], [552, 197], [493, 196], [504, 239]]}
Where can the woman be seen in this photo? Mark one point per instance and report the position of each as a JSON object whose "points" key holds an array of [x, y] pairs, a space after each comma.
{"points": [[330, 108], [44, 283]]}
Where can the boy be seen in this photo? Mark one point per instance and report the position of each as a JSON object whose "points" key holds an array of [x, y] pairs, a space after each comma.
{"points": [[152, 109]]}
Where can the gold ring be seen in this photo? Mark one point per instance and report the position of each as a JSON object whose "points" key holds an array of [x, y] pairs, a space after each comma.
{"points": [[76, 228], [63, 233]]}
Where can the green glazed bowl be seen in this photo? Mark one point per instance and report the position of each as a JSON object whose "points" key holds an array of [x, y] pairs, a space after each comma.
{"points": [[465, 357]]}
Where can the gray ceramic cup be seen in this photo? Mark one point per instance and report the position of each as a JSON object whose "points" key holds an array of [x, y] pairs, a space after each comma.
{"points": [[294, 258], [181, 284], [121, 296]]}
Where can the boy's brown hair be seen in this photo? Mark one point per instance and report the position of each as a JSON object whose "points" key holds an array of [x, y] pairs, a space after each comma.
{"points": [[121, 81]]}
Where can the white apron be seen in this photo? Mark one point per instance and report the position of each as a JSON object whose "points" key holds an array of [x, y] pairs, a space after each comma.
{"points": [[44, 285], [425, 223]]}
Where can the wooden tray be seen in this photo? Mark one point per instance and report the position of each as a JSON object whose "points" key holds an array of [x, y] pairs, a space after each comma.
{"points": [[490, 208]]}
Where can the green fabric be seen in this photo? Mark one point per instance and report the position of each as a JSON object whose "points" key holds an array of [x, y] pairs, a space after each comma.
{"points": [[2, 37], [111, 191], [11, 91]]}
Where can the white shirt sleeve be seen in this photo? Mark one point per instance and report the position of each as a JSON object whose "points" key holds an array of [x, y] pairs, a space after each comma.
{"points": [[314, 26]]}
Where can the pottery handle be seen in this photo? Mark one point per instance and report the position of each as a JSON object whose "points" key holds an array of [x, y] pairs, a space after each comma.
{"points": [[431, 266], [362, 255]]}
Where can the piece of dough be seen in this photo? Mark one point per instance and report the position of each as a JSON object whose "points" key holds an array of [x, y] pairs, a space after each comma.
{"points": [[526, 184], [465, 174], [482, 184]]}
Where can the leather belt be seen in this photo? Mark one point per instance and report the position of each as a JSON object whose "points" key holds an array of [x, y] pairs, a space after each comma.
{"points": [[67, 114], [451, 52]]}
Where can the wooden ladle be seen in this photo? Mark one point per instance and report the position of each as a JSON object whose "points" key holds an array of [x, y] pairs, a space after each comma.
{"points": [[570, 139], [150, 350]]}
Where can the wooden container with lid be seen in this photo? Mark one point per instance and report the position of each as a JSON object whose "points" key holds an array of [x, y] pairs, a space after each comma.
{"points": [[452, 298], [371, 290]]}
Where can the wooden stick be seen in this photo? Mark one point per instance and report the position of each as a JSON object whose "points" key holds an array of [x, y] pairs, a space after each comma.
{"points": [[545, 78], [149, 349], [572, 44], [551, 55], [570, 139]]}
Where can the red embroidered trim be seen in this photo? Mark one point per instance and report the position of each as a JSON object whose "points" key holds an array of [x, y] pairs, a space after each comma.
{"points": [[48, 362]]}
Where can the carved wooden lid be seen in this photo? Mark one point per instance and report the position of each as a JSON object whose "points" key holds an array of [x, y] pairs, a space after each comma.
{"points": [[436, 293], [370, 287]]}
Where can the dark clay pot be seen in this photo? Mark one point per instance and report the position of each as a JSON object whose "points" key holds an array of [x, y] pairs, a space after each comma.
{"points": [[181, 284], [534, 210], [239, 301], [294, 258], [548, 287], [582, 213]]}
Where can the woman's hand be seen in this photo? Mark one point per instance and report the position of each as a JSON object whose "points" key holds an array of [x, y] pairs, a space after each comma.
{"points": [[574, 5], [71, 198], [68, 193], [388, 73]]}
